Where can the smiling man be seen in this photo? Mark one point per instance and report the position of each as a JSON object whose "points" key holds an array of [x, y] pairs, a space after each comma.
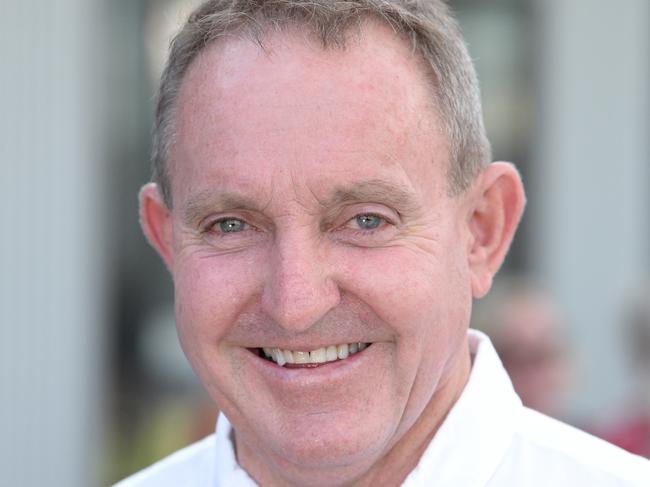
{"points": [[325, 202]]}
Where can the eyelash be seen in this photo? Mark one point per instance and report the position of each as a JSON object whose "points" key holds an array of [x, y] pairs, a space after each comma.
{"points": [[212, 226], [368, 231]]}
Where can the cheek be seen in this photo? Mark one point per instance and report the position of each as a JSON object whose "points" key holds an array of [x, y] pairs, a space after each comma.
{"points": [[425, 301], [411, 290], [423, 297], [210, 292]]}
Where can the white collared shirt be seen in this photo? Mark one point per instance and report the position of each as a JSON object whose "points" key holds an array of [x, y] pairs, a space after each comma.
{"points": [[489, 439]]}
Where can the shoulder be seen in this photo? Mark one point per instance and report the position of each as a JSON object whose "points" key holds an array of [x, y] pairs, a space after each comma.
{"points": [[190, 466], [559, 454]]}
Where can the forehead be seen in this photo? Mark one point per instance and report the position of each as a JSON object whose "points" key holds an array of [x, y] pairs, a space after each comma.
{"points": [[294, 106]]}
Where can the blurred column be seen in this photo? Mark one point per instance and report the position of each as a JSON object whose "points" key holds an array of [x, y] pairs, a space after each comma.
{"points": [[52, 266], [591, 177]]}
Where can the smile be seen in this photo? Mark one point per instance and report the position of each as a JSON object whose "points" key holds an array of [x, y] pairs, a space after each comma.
{"points": [[295, 358]]}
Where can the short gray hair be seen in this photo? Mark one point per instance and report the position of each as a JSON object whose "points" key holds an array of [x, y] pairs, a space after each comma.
{"points": [[428, 25]]}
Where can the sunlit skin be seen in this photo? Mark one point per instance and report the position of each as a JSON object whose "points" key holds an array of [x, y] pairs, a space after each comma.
{"points": [[311, 207]]}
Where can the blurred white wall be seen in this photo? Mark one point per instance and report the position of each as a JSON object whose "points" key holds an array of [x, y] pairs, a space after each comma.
{"points": [[590, 239], [52, 245]]}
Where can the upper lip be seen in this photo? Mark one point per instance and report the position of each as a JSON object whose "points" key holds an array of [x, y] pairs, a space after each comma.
{"points": [[301, 347]]}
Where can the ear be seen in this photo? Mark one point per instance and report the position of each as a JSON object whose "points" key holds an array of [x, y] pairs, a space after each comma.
{"points": [[498, 203], [156, 222]]}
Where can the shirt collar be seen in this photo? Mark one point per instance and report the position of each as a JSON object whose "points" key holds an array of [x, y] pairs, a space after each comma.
{"points": [[465, 451], [227, 472]]}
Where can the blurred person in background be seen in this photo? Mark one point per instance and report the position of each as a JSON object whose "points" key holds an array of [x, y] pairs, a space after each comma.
{"points": [[325, 202], [631, 430], [525, 326]]}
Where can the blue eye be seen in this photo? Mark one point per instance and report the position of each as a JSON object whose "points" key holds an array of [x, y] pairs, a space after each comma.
{"points": [[231, 225], [369, 222]]}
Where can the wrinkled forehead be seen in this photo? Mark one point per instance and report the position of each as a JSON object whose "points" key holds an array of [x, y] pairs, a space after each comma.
{"points": [[291, 105]]}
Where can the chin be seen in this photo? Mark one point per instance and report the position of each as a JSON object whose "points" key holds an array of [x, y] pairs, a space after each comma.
{"points": [[327, 443]]}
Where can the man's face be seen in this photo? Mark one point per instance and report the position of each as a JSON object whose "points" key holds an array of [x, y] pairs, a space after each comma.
{"points": [[311, 210]]}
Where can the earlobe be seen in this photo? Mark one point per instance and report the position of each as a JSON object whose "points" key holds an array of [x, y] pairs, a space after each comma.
{"points": [[496, 212], [156, 223]]}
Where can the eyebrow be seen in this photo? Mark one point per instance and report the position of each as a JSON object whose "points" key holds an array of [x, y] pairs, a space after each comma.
{"points": [[377, 191], [196, 205]]}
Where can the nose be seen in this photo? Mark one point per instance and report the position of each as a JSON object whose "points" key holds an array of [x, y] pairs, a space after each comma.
{"points": [[299, 288]]}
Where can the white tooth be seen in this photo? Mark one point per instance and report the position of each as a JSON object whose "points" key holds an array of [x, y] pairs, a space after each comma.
{"points": [[301, 357], [342, 351], [288, 356], [331, 353], [318, 356], [353, 347], [362, 346], [279, 357], [268, 352]]}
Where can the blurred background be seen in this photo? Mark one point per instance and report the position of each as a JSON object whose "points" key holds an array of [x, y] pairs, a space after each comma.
{"points": [[94, 385]]}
